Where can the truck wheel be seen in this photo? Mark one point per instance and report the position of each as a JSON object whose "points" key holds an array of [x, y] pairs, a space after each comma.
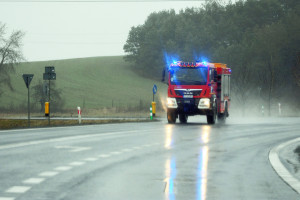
{"points": [[171, 116], [226, 111], [183, 118], [222, 116], [211, 118]]}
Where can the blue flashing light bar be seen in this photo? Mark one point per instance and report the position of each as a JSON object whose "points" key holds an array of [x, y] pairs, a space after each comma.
{"points": [[188, 64]]}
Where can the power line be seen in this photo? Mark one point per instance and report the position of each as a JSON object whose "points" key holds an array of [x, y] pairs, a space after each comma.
{"points": [[94, 1]]}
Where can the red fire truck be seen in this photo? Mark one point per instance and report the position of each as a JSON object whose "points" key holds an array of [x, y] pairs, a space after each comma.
{"points": [[198, 88]]}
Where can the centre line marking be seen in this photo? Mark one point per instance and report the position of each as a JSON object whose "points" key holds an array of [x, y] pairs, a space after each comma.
{"points": [[34, 180], [73, 148], [91, 159], [104, 155], [7, 198], [76, 163], [48, 174], [63, 168], [18, 189], [126, 150], [116, 152]]}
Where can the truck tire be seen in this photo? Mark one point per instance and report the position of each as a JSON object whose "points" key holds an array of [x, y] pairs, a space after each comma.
{"points": [[171, 115], [222, 116], [183, 118], [226, 111], [211, 118]]}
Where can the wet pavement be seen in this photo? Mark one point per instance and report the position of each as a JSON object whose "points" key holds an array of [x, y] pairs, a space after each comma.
{"points": [[146, 161]]}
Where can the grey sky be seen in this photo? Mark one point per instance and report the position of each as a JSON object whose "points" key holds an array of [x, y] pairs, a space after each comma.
{"points": [[60, 30]]}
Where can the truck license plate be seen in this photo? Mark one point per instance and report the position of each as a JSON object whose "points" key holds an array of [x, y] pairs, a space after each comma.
{"points": [[187, 96]]}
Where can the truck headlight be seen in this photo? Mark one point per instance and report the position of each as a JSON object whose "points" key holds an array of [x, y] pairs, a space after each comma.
{"points": [[204, 103], [171, 103]]}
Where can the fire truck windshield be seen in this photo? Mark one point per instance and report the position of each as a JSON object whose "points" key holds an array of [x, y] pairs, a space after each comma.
{"points": [[188, 76]]}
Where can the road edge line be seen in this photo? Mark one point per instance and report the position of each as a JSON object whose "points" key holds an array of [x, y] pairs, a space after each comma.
{"points": [[279, 168]]}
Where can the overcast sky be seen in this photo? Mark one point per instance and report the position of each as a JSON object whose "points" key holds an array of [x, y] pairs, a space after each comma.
{"points": [[60, 30]]}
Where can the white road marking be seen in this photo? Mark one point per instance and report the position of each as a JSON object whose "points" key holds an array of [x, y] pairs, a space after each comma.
{"points": [[116, 153], [34, 180], [7, 198], [73, 148], [63, 168], [18, 189], [48, 174], [77, 163], [279, 167], [104, 155], [91, 159], [67, 138], [126, 150]]}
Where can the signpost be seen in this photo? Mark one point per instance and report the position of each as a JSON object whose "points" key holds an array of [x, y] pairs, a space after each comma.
{"points": [[27, 79], [49, 75]]}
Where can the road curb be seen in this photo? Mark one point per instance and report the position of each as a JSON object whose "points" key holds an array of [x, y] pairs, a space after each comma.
{"points": [[282, 172]]}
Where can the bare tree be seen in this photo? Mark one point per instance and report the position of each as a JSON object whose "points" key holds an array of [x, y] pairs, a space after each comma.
{"points": [[10, 55]]}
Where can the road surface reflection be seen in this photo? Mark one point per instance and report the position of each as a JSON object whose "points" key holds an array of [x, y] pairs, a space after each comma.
{"points": [[202, 164], [169, 139]]}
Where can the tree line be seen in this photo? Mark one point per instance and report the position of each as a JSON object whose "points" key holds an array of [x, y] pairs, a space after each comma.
{"points": [[258, 39]]}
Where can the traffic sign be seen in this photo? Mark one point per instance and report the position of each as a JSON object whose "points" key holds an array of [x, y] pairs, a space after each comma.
{"points": [[49, 69], [49, 76], [27, 79], [154, 89]]}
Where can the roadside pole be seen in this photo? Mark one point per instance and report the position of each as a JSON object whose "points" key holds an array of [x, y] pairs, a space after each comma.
{"points": [[49, 75], [79, 114], [279, 109], [151, 115], [49, 104], [27, 79], [153, 104]]}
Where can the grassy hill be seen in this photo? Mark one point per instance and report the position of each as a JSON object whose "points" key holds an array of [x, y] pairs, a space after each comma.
{"points": [[90, 82]]}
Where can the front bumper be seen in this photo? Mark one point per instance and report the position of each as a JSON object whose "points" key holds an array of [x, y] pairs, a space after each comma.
{"points": [[190, 106]]}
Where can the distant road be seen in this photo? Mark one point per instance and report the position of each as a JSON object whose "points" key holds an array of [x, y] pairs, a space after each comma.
{"points": [[145, 161]]}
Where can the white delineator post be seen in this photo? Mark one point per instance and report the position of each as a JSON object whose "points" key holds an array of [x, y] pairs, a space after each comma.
{"points": [[79, 114], [151, 116], [279, 108]]}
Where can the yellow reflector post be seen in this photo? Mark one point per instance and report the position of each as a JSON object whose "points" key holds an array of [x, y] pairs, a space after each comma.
{"points": [[46, 108], [153, 108]]}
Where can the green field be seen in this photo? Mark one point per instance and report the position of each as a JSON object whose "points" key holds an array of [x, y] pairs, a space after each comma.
{"points": [[94, 83]]}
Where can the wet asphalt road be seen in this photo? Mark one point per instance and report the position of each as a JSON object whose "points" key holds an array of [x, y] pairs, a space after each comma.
{"points": [[146, 161]]}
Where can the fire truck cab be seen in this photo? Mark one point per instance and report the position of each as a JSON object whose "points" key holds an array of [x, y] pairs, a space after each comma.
{"points": [[198, 88]]}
